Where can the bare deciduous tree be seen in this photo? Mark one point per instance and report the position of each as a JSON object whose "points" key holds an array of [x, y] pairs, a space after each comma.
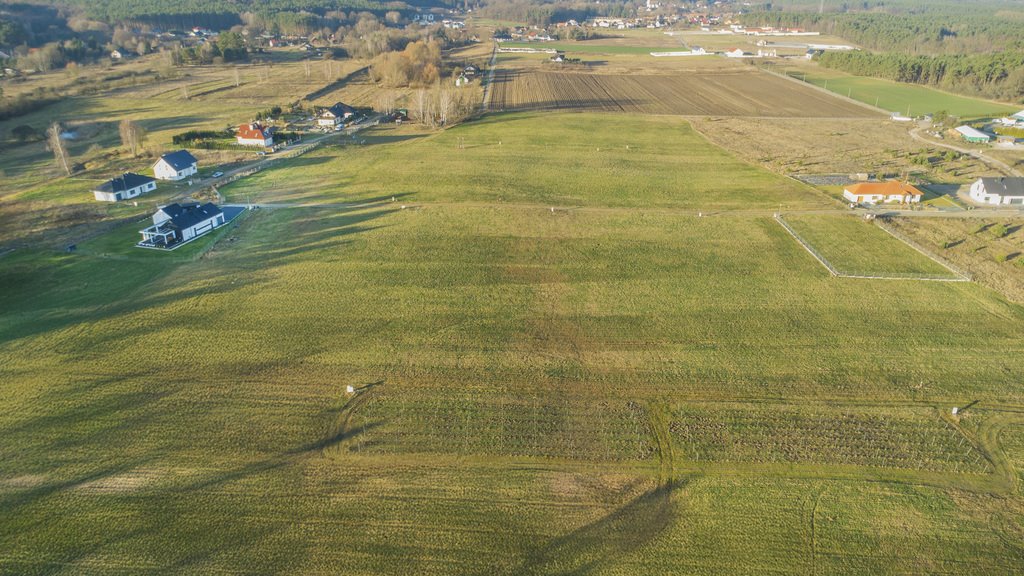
{"points": [[60, 151], [132, 135]]}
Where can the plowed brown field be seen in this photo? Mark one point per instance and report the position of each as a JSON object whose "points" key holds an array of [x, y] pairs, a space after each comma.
{"points": [[732, 93]]}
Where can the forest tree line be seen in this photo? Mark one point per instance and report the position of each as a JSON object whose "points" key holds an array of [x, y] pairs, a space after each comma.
{"points": [[934, 32], [998, 75]]}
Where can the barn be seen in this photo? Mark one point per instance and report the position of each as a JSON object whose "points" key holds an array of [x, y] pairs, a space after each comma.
{"points": [[123, 187], [176, 224], [972, 135]]}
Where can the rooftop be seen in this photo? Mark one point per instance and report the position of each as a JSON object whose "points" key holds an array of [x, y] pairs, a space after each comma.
{"points": [[890, 188]]}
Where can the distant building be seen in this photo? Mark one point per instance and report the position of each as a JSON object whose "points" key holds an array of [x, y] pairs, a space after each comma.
{"points": [[735, 53], [176, 166], [123, 187], [179, 223], [335, 115], [255, 134], [462, 80], [998, 191], [971, 135], [879, 192]]}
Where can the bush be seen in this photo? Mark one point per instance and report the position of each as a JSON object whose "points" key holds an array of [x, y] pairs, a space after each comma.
{"points": [[1000, 230], [26, 133]]}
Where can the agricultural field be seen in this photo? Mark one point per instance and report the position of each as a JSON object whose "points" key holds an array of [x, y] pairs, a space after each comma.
{"points": [[899, 97], [577, 342], [646, 162], [537, 391], [856, 247], [724, 93], [991, 248]]}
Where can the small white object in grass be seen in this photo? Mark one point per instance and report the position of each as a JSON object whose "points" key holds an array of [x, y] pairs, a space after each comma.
{"points": [[403, 206], [552, 209], [350, 390], [955, 410]]}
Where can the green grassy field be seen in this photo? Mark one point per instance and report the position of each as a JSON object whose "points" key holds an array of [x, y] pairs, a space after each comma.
{"points": [[649, 162], [899, 97], [857, 247], [621, 389]]}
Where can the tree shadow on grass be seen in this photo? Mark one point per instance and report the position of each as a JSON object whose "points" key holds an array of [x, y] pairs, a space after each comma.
{"points": [[605, 541]]}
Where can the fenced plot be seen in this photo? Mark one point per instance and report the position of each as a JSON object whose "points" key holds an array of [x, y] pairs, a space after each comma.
{"points": [[851, 247], [872, 437], [727, 93]]}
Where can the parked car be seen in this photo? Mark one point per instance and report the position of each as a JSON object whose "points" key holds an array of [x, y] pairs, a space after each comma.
{"points": [[216, 174]]}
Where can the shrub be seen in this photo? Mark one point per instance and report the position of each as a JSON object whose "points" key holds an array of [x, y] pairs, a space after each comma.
{"points": [[1000, 230]]}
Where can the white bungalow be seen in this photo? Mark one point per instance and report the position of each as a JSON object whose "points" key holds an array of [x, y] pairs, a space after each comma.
{"points": [[998, 191], [179, 223], [123, 187], [879, 192], [176, 166]]}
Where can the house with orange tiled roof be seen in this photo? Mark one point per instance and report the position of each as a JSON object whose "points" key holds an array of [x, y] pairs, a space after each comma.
{"points": [[255, 134], [879, 192]]}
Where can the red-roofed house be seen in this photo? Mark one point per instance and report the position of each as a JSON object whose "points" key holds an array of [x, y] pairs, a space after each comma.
{"points": [[255, 134], [876, 192]]}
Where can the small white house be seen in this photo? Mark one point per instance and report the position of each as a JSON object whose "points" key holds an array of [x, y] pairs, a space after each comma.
{"points": [[735, 53], [998, 191], [123, 187], [176, 166], [179, 223]]}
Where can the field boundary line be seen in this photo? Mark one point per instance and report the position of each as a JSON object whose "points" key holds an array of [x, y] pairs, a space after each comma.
{"points": [[962, 275], [807, 246], [486, 104]]}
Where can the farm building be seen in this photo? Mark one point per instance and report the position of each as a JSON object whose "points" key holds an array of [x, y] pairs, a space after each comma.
{"points": [[735, 53], [255, 134], [998, 191], [878, 192], [462, 80], [179, 223], [972, 135], [176, 165], [335, 115], [123, 187]]}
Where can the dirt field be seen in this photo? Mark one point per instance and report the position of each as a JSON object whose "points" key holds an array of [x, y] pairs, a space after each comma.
{"points": [[835, 146], [727, 93], [975, 244]]}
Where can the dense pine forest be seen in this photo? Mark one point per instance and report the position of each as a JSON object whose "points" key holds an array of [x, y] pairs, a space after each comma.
{"points": [[974, 48]]}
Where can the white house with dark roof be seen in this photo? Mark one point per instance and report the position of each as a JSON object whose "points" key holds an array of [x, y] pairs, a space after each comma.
{"points": [[998, 191], [176, 165], [176, 224], [335, 115], [123, 187]]}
